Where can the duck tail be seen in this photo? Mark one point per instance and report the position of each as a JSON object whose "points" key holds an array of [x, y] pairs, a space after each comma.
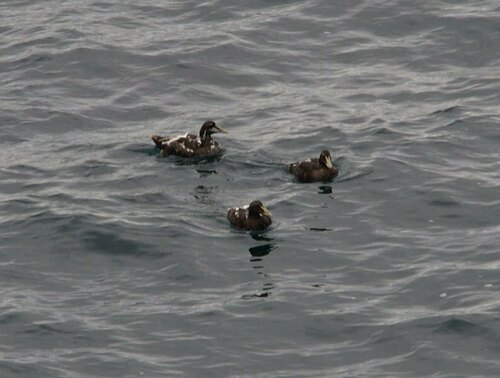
{"points": [[158, 140]]}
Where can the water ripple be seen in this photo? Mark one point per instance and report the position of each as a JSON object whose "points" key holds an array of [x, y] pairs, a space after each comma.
{"points": [[115, 256]]}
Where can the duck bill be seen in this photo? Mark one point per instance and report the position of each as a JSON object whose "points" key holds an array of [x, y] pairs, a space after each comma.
{"points": [[221, 130], [329, 163], [266, 211]]}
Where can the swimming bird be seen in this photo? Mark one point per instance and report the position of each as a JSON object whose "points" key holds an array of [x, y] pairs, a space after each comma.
{"points": [[255, 217], [313, 170], [191, 145]]}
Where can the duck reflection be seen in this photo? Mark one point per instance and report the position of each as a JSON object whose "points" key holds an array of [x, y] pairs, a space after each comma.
{"points": [[206, 172], [325, 189], [259, 236], [257, 260], [261, 250]]}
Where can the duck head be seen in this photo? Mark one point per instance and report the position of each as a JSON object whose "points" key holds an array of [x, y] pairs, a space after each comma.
{"points": [[325, 159], [257, 209], [209, 128]]}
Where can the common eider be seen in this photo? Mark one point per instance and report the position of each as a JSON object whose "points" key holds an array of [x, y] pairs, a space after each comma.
{"points": [[314, 170], [190, 145], [255, 217]]}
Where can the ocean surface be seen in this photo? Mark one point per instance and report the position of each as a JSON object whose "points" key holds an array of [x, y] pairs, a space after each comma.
{"points": [[117, 262]]}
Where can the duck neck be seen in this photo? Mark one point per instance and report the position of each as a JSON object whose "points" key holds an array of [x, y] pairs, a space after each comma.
{"points": [[205, 136]]}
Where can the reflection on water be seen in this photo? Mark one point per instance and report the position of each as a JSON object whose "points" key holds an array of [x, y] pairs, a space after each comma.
{"points": [[259, 295], [178, 160], [319, 229], [257, 261], [325, 189], [261, 250], [267, 287], [256, 235], [206, 172]]}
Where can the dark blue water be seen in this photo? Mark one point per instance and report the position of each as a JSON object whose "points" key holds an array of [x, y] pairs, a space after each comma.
{"points": [[115, 262]]}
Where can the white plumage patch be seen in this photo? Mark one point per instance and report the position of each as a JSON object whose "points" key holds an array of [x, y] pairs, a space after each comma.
{"points": [[176, 139], [238, 209]]}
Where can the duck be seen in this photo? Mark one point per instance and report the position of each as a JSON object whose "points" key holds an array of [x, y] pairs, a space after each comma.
{"points": [[254, 217], [314, 170], [191, 145]]}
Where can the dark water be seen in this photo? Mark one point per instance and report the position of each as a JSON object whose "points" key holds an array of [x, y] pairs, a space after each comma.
{"points": [[117, 263]]}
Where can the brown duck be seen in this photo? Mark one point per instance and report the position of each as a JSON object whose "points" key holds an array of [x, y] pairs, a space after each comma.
{"points": [[191, 145], [314, 170], [255, 217]]}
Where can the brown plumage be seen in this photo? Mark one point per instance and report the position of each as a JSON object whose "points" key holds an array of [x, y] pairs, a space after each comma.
{"points": [[191, 145], [255, 217], [314, 170]]}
